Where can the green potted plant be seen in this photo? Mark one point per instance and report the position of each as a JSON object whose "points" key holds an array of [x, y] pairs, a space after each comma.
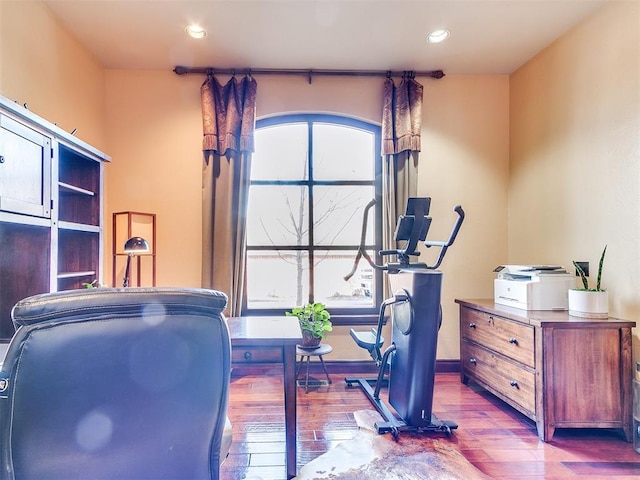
{"points": [[314, 320], [586, 301]]}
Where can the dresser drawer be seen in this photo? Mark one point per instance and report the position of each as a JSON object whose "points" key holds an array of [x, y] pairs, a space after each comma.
{"points": [[256, 355], [505, 377], [510, 338]]}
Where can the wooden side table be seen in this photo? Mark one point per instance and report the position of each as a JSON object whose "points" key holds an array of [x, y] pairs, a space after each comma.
{"points": [[319, 351], [272, 339]]}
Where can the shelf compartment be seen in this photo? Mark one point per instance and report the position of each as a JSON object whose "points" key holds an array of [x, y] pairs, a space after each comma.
{"points": [[79, 187], [78, 254]]}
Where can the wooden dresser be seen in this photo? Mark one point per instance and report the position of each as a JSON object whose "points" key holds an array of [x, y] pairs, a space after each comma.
{"points": [[561, 371]]}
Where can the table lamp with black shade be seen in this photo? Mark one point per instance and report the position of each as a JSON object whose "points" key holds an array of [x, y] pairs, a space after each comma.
{"points": [[133, 246]]}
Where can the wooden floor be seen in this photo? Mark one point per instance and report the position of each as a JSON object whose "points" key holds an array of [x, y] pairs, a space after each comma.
{"points": [[499, 441]]}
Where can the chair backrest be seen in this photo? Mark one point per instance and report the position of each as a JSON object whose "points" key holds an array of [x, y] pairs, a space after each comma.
{"points": [[115, 384]]}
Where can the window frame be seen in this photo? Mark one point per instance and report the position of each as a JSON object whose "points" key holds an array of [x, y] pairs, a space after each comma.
{"points": [[339, 315]]}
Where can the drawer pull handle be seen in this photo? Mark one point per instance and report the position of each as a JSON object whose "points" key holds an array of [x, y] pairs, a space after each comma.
{"points": [[514, 384], [513, 341], [473, 360], [1, 159], [247, 355], [472, 325]]}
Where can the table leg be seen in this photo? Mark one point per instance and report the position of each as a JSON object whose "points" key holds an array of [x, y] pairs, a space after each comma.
{"points": [[290, 420]]}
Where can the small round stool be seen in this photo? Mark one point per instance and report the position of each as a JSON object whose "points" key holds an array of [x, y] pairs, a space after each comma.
{"points": [[319, 351]]}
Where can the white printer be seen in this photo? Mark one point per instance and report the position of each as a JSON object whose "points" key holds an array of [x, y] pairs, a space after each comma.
{"points": [[533, 287]]}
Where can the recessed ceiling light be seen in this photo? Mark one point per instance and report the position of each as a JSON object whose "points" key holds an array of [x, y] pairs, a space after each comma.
{"points": [[438, 36], [196, 31]]}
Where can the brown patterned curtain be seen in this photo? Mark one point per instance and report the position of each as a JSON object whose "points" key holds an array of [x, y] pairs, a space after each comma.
{"points": [[401, 122], [228, 118]]}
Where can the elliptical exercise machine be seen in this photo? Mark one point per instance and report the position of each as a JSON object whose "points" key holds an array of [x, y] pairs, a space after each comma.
{"points": [[416, 317]]}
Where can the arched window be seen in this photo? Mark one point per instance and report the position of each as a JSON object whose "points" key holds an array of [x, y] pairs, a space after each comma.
{"points": [[311, 178]]}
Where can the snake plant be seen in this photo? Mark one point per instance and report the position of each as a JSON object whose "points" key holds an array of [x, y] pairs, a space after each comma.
{"points": [[583, 277]]}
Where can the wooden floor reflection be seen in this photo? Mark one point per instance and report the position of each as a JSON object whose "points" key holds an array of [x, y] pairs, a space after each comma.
{"points": [[497, 440]]}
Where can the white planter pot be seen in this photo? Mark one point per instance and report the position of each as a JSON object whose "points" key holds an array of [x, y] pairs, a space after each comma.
{"points": [[586, 304]]}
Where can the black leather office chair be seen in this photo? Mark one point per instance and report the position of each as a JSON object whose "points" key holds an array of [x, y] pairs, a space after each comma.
{"points": [[116, 384]]}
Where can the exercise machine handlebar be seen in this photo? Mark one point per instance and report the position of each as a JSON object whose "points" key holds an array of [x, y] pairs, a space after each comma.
{"points": [[418, 230], [363, 238], [452, 237]]}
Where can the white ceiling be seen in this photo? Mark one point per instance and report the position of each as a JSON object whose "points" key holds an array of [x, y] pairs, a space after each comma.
{"points": [[487, 36]]}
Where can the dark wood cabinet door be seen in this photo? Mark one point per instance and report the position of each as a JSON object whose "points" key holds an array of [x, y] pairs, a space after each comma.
{"points": [[25, 169]]}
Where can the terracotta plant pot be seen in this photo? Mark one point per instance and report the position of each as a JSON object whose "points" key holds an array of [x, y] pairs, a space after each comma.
{"points": [[588, 304]]}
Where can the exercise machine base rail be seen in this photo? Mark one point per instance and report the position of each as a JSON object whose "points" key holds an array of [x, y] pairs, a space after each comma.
{"points": [[392, 424]]}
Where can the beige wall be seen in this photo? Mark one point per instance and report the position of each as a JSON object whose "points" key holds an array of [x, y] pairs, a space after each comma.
{"points": [[574, 184], [42, 65], [567, 118], [154, 132], [465, 160]]}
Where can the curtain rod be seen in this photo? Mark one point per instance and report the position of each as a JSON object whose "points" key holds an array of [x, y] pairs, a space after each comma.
{"points": [[309, 73]]}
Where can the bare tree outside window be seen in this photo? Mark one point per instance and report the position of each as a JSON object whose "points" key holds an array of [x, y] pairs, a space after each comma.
{"points": [[310, 182]]}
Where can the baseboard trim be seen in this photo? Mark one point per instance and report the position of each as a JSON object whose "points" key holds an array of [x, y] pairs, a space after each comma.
{"points": [[334, 367]]}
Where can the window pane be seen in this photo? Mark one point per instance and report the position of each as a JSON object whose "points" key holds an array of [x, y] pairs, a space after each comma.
{"points": [[337, 212], [277, 279], [342, 153], [281, 153], [337, 163], [331, 287], [277, 215]]}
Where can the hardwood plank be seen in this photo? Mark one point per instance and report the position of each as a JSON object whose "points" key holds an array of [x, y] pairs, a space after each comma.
{"points": [[495, 438]]}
